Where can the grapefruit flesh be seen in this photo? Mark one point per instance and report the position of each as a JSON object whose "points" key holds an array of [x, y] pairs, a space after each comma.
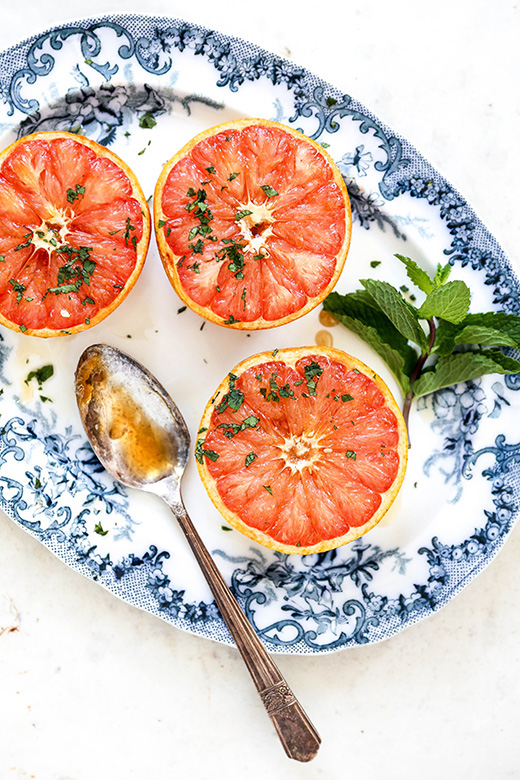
{"points": [[304, 450], [253, 224], [74, 232]]}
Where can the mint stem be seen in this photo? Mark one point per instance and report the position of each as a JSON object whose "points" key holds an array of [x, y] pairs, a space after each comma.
{"points": [[416, 373]]}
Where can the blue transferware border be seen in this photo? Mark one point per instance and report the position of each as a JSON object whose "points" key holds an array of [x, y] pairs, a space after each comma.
{"points": [[311, 591]]}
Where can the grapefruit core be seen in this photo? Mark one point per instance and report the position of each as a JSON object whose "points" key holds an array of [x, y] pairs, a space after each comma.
{"points": [[253, 223], [74, 232], [303, 449]]}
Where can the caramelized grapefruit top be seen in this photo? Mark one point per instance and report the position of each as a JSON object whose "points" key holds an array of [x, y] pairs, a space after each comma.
{"points": [[74, 232], [253, 223], [302, 450]]}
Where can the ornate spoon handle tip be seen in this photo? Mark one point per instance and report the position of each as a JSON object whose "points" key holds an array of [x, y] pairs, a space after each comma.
{"points": [[300, 739]]}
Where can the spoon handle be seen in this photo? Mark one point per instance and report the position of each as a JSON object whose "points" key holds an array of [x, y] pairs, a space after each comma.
{"points": [[297, 734]]}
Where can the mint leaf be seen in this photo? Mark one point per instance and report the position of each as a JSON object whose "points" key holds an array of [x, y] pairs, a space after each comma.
{"points": [[463, 366], [445, 336], [416, 274], [441, 274], [508, 324], [360, 314], [488, 329], [449, 302], [400, 313], [486, 337], [499, 320]]}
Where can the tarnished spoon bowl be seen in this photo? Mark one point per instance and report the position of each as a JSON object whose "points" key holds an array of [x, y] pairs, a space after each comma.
{"points": [[141, 438]]}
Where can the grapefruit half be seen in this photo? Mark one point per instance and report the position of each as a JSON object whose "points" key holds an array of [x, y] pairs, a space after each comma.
{"points": [[74, 232], [253, 223], [303, 449]]}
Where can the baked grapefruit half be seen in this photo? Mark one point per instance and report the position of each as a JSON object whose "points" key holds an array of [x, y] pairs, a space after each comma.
{"points": [[74, 232], [303, 449], [253, 223]]}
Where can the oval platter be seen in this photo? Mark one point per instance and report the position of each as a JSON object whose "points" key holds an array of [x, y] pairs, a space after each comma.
{"points": [[143, 87]]}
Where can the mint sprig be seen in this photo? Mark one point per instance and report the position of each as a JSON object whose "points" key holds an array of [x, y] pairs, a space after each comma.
{"points": [[435, 345]]}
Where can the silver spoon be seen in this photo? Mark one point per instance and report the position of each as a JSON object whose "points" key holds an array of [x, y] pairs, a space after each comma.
{"points": [[141, 438]]}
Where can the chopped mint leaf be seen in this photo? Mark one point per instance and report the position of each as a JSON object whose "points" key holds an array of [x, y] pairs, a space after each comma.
{"points": [[40, 374], [269, 191], [201, 452], [250, 458], [73, 194], [241, 214]]}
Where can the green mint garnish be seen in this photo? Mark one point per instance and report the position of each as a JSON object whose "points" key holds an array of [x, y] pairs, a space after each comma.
{"points": [[73, 194], [40, 374], [18, 288], [231, 429], [241, 214], [233, 398], [250, 458], [147, 121], [78, 270], [201, 452], [269, 191], [436, 344]]}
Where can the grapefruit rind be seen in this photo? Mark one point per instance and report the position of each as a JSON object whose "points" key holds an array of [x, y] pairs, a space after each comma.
{"points": [[170, 259], [141, 246], [290, 357]]}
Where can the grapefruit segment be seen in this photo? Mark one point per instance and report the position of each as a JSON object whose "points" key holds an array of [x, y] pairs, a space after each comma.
{"points": [[256, 209], [302, 450], [74, 232]]}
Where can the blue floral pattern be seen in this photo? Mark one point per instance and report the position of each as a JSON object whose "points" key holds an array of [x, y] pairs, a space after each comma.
{"points": [[51, 483]]}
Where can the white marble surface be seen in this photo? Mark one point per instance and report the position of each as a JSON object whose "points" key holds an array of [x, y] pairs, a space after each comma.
{"points": [[91, 688]]}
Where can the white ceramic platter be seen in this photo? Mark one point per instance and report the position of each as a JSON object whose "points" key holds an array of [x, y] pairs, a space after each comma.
{"points": [[461, 493]]}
